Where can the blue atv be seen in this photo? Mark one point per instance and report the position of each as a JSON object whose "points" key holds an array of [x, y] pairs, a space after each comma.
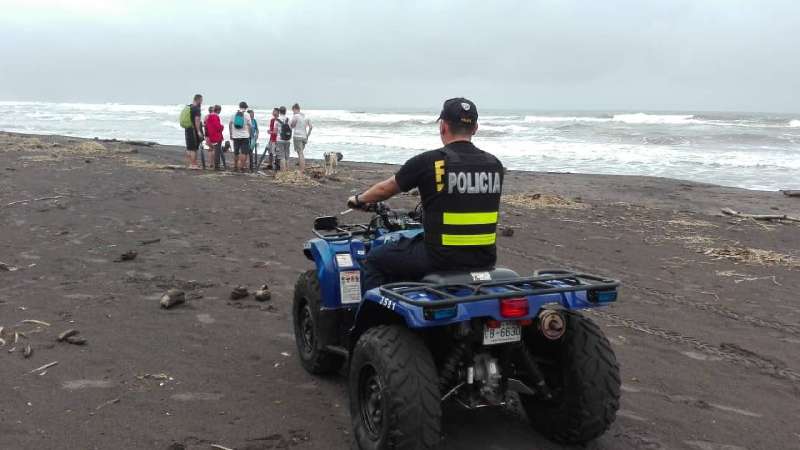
{"points": [[477, 339]]}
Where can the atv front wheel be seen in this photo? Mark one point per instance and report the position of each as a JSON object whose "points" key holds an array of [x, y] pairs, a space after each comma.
{"points": [[394, 391], [305, 314], [581, 370]]}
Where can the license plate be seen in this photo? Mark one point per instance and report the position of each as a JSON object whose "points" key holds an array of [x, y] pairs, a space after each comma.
{"points": [[506, 332]]}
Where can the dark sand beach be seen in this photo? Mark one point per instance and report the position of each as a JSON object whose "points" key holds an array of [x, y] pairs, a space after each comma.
{"points": [[707, 328]]}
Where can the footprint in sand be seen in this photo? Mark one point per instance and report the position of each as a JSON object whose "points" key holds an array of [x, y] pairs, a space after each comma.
{"points": [[205, 318]]}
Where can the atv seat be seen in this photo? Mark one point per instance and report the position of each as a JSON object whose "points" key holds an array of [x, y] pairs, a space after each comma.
{"points": [[462, 277]]}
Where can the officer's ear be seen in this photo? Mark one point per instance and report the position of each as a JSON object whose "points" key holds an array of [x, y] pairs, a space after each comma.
{"points": [[475, 130], [442, 128]]}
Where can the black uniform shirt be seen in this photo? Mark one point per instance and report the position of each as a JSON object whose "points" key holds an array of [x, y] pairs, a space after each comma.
{"points": [[419, 172]]}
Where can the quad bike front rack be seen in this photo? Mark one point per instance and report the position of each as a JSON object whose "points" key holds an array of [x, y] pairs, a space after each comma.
{"points": [[549, 282]]}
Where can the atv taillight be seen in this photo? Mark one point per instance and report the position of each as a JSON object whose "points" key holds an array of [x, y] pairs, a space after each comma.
{"points": [[514, 307]]}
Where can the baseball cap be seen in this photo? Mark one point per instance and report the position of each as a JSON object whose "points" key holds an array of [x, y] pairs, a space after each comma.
{"points": [[459, 109]]}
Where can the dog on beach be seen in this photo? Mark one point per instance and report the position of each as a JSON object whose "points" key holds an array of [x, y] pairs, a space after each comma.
{"points": [[331, 161]]}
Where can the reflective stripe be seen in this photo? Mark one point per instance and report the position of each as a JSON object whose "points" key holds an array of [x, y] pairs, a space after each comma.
{"points": [[480, 218], [469, 239]]}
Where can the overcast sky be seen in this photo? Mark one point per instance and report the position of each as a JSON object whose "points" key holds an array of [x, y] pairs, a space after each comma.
{"points": [[530, 54]]}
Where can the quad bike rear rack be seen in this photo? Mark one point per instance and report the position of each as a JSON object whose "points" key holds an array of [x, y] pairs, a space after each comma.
{"points": [[543, 282]]}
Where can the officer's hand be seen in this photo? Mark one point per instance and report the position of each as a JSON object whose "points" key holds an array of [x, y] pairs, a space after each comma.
{"points": [[352, 203]]}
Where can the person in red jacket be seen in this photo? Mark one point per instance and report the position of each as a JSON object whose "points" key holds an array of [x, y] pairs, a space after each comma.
{"points": [[273, 138], [214, 129]]}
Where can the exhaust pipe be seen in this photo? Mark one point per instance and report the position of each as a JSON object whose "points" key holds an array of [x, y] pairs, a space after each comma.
{"points": [[552, 324]]}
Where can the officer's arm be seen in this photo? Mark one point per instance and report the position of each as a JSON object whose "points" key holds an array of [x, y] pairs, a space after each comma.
{"points": [[379, 192]]}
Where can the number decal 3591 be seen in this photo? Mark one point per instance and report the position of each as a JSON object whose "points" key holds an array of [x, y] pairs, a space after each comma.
{"points": [[388, 303]]}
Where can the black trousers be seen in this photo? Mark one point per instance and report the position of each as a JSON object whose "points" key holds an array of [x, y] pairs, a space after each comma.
{"points": [[403, 259]]}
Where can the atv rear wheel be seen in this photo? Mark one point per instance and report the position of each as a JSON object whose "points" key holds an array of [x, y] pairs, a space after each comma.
{"points": [[305, 314], [584, 378], [394, 391]]}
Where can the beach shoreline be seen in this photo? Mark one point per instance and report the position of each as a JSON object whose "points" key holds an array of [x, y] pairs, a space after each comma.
{"points": [[707, 328]]}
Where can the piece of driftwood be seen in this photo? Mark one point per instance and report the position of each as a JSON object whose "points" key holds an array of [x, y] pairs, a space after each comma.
{"points": [[149, 241], [46, 366], [172, 297], [239, 293], [104, 404], [140, 143], [730, 212], [219, 447], [34, 200], [69, 333], [37, 322], [130, 255], [76, 340], [27, 352], [790, 193], [7, 267]]}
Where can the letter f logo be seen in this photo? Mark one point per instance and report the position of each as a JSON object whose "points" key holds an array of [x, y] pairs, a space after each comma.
{"points": [[438, 169]]}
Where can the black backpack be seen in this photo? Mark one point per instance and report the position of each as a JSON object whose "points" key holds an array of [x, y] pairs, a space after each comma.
{"points": [[286, 130]]}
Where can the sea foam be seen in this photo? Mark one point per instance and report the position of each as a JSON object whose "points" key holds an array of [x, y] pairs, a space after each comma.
{"points": [[656, 119]]}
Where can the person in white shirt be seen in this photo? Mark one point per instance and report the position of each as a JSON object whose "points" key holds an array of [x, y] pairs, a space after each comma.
{"points": [[283, 140], [239, 129], [301, 127]]}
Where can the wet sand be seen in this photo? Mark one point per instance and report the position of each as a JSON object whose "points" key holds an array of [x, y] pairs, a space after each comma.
{"points": [[707, 329]]}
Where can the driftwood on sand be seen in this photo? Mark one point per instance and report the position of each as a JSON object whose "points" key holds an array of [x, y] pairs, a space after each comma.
{"points": [[730, 212], [136, 143], [34, 200], [790, 193]]}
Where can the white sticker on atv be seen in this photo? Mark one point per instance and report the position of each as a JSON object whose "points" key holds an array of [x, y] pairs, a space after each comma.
{"points": [[344, 260], [481, 276], [350, 286]]}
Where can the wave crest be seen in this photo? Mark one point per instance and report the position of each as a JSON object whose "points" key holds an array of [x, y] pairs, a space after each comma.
{"points": [[554, 119], [659, 119], [794, 123]]}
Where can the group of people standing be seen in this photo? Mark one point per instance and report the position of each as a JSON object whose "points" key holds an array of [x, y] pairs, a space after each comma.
{"points": [[243, 133]]}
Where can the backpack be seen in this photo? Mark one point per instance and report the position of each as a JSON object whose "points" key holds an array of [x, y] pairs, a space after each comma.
{"points": [[238, 120], [285, 131], [186, 117]]}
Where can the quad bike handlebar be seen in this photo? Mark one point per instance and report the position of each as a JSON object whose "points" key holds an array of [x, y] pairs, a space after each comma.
{"points": [[384, 217]]}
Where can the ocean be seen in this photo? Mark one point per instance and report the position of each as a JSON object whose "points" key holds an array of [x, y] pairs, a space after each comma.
{"points": [[752, 151]]}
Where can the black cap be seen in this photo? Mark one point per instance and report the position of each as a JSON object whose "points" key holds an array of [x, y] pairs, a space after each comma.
{"points": [[459, 110]]}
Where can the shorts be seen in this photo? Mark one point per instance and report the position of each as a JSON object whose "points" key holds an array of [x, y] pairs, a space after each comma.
{"points": [[271, 148], [300, 145], [282, 150], [192, 141], [241, 145]]}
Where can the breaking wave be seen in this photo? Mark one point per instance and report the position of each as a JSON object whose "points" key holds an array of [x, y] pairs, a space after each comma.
{"points": [[656, 119]]}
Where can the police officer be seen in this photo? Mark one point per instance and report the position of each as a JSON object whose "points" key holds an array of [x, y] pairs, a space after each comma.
{"points": [[460, 187]]}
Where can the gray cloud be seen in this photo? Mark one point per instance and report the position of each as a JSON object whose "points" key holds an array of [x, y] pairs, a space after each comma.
{"points": [[546, 54]]}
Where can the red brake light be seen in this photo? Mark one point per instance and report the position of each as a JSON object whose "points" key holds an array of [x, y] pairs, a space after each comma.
{"points": [[514, 307]]}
